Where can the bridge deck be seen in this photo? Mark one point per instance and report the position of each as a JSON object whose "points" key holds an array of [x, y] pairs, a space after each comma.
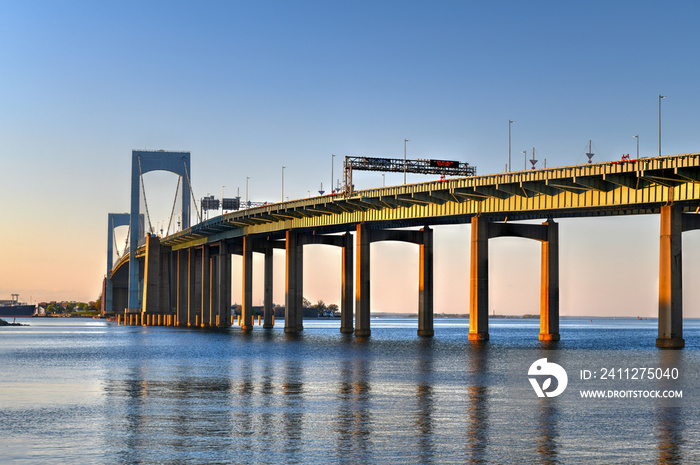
{"points": [[614, 188]]}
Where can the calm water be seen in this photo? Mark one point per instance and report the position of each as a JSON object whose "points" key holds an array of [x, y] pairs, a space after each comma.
{"points": [[87, 391]]}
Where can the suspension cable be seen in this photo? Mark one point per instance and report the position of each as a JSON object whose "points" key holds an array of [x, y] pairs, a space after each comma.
{"points": [[126, 242], [194, 201], [177, 189], [143, 189], [114, 240]]}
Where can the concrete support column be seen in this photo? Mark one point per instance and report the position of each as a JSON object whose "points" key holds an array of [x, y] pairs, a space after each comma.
{"points": [[549, 291], [214, 289], [290, 294], [479, 280], [300, 283], [267, 296], [224, 311], [346, 286], [670, 280], [182, 274], [362, 287], [206, 287], [151, 276], [425, 285], [247, 307], [192, 287]]}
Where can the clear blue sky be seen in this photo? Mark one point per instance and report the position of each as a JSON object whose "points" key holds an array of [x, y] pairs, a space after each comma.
{"points": [[248, 87]]}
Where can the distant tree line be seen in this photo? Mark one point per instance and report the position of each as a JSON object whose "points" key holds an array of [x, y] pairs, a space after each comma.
{"points": [[321, 308]]}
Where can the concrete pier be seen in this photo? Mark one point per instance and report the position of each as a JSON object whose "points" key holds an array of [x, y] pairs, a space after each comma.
{"points": [[671, 279], [247, 285], [346, 301], [548, 234], [549, 288], [479, 280], [424, 238], [362, 287], [291, 300], [205, 303], [425, 284], [268, 311], [224, 287]]}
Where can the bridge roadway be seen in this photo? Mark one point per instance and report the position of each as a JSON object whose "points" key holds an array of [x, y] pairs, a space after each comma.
{"points": [[186, 276]]}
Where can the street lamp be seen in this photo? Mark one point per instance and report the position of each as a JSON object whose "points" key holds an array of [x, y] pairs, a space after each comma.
{"points": [[246, 191], [637, 137], [524, 152], [283, 183], [332, 166], [222, 199], [404, 159], [509, 123], [660, 97]]}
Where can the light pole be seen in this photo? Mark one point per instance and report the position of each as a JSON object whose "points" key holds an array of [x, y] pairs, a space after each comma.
{"points": [[509, 123], [246, 191], [283, 183], [660, 97], [222, 199], [332, 166], [637, 137], [404, 159], [524, 152]]}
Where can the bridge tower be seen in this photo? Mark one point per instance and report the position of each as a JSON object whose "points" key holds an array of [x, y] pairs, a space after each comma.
{"points": [[114, 220], [142, 162]]}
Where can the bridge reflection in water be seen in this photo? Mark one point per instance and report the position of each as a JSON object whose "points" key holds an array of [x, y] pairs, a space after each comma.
{"points": [[237, 398], [185, 279]]}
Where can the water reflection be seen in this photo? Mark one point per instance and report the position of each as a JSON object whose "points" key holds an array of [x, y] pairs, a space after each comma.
{"points": [[353, 423], [136, 390], [293, 418], [267, 392], [548, 413], [243, 399], [478, 394], [548, 432], [154, 411], [424, 399], [669, 413]]}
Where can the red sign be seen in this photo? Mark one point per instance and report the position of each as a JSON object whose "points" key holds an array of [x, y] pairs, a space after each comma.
{"points": [[444, 164]]}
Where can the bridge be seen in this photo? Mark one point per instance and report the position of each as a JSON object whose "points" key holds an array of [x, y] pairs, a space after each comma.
{"points": [[184, 279]]}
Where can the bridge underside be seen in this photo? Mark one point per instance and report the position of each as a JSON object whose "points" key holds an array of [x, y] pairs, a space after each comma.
{"points": [[668, 186]]}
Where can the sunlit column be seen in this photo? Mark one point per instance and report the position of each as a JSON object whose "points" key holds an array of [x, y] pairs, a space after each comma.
{"points": [[670, 279], [549, 290], [479, 280]]}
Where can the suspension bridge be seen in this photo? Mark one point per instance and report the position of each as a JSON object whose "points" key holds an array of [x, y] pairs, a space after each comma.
{"points": [[184, 278]]}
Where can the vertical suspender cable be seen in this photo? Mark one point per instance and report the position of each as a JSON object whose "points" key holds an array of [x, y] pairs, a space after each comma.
{"points": [[145, 202], [194, 201], [177, 189]]}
